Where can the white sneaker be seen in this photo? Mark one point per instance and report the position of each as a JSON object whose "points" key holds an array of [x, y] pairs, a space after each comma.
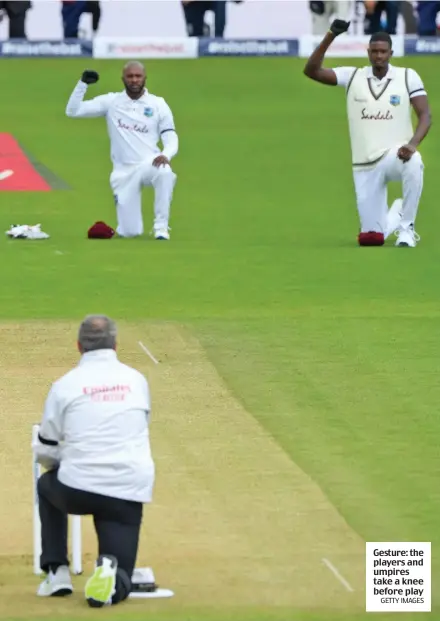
{"points": [[143, 580], [56, 584], [100, 587], [407, 238], [394, 217], [162, 234]]}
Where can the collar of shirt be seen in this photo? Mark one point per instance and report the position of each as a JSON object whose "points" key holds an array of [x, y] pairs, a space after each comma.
{"points": [[390, 75], [98, 355], [142, 98]]}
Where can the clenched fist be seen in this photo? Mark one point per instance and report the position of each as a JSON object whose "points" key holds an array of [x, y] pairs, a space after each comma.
{"points": [[406, 152], [339, 26], [89, 77]]}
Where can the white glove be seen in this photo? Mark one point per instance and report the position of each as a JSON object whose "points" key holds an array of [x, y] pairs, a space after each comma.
{"points": [[24, 231]]}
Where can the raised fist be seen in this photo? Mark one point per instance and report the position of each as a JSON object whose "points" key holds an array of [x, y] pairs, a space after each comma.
{"points": [[339, 26], [89, 77]]}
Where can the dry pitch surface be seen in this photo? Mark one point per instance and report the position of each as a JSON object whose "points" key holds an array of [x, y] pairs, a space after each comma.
{"points": [[234, 521]]}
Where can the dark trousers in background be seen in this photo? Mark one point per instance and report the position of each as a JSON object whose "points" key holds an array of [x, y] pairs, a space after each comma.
{"points": [[427, 11], [71, 14], [117, 524], [373, 22], [16, 12], [195, 17]]}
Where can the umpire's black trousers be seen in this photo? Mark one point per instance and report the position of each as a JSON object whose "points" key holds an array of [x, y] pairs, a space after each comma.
{"points": [[117, 524]]}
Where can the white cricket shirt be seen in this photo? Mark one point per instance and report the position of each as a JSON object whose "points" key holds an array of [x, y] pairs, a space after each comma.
{"points": [[95, 426], [379, 110], [135, 126]]}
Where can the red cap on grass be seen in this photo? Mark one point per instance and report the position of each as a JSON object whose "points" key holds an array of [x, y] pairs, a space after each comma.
{"points": [[100, 230], [371, 239]]}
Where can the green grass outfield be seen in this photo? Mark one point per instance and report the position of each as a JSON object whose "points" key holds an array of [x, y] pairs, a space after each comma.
{"points": [[333, 349]]}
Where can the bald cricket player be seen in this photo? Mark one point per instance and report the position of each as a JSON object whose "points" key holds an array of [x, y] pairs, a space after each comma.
{"points": [[380, 99], [136, 122]]}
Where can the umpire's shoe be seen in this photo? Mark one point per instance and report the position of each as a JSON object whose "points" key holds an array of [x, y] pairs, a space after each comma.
{"points": [[58, 584], [100, 587]]}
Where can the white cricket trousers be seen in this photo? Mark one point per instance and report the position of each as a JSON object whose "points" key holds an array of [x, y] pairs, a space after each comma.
{"points": [[127, 183], [334, 9], [372, 190]]}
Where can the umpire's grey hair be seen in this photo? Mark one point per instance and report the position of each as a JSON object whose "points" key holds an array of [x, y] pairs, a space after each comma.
{"points": [[97, 332]]}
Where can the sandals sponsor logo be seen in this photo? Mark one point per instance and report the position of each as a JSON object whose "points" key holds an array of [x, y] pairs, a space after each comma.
{"points": [[376, 116], [140, 129]]}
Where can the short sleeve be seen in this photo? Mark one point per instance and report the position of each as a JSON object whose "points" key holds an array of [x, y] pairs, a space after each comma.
{"points": [[52, 423], [416, 87], [344, 75], [166, 120]]}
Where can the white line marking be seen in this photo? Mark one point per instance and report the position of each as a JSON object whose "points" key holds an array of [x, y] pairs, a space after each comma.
{"points": [[148, 352], [336, 573], [4, 174]]}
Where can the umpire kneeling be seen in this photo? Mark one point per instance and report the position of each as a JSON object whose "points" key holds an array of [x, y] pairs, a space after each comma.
{"points": [[94, 440]]}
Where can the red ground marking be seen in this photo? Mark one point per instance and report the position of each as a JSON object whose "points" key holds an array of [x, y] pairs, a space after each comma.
{"points": [[24, 177]]}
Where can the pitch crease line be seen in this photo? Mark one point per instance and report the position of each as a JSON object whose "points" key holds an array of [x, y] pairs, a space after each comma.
{"points": [[148, 352], [336, 573]]}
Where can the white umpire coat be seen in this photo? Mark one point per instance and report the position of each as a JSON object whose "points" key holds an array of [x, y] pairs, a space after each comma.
{"points": [[95, 428]]}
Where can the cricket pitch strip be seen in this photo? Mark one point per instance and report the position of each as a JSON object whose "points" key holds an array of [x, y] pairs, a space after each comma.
{"points": [[233, 523]]}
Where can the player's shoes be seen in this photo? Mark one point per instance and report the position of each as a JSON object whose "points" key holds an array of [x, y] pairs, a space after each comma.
{"points": [[100, 587], [394, 217], [162, 234], [58, 584], [407, 238]]}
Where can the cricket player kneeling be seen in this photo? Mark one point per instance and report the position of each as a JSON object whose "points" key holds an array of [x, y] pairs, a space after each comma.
{"points": [[136, 121], [380, 98], [94, 440]]}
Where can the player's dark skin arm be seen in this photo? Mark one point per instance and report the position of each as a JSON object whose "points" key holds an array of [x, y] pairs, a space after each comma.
{"points": [[422, 109], [314, 69]]}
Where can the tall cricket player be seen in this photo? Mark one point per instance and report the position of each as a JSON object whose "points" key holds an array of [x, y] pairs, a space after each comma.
{"points": [[383, 142], [136, 122]]}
